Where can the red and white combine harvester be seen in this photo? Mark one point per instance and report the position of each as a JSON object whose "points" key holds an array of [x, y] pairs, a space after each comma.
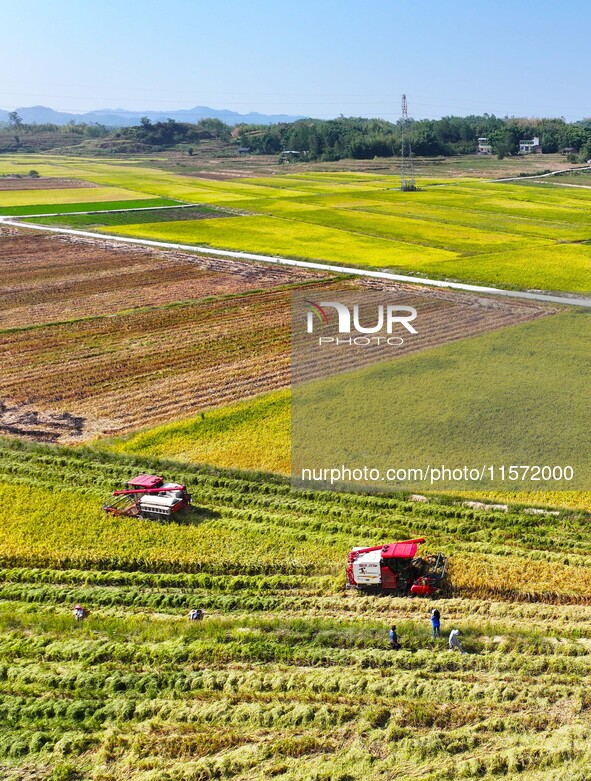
{"points": [[396, 568], [148, 496]]}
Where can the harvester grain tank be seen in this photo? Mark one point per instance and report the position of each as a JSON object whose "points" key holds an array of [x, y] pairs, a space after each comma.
{"points": [[149, 496], [395, 568]]}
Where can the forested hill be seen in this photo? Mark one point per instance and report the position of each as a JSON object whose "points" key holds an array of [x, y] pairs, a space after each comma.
{"points": [[312, 139]]}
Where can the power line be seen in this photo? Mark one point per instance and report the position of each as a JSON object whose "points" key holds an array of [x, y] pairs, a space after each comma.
{"points": [[407, 171], [424, 101]]}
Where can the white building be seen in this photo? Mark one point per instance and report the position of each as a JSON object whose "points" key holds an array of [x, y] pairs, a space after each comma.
{"points": [[530, 146], [484, 147]]}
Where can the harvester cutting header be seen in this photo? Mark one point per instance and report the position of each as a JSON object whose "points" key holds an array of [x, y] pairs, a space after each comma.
{"points": [[149, 496], [397, 569]]}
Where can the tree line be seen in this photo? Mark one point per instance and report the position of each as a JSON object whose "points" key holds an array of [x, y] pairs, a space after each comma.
{"points": [[171, 133], [87, 129], [359, 138], [348, 137]]}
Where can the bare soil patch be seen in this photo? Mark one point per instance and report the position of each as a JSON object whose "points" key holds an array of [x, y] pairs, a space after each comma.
{"points": [[41, 426], [42, 183]]}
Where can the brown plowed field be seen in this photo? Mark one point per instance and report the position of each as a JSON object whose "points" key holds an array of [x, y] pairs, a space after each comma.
{"points": [[48, 278], [442, 316], [51, 183], [128, 337]]}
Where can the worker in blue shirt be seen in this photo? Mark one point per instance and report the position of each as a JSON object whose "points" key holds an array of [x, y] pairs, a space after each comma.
{"points": [[394, 639], [436, 623]]}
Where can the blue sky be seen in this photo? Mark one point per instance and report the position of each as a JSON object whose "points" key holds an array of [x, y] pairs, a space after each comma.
{"points": [[321, 58]]}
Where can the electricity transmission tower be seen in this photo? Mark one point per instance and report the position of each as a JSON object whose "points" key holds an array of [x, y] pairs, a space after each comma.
{"points": [[407, 171]]}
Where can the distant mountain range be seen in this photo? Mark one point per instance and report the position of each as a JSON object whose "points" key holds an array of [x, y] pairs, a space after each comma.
{"points": [[118, 117]]}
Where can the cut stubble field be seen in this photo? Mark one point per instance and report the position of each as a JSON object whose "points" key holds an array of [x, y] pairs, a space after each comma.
{"points": [[120, 337], [92, 330], [49, 278], [41, 183]]}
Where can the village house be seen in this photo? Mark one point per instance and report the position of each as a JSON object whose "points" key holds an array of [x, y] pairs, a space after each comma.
{"points": [[530, 146]]}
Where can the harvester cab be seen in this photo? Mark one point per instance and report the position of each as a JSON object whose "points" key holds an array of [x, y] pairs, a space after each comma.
{"points": [[395, 568], [149, 496]]}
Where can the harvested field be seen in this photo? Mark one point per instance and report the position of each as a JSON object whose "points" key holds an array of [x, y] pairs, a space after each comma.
{"points": [[49, 278], [46, 426], [444, 316], [127, 337], [94, 328], [42, 183], [131, 369]]}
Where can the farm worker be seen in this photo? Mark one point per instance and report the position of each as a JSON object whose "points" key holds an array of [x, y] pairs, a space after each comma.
{"points": [[79, 612], [454, 641], [436, 623], [196, 615], [394, 639]]}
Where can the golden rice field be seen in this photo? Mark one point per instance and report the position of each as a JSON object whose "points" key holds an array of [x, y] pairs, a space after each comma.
{"points": [[256, 435], [88, 195], [503, 234], [289, 676]]}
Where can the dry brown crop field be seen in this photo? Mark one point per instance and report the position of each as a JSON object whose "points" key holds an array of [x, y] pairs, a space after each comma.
{"points": [[99, 338], [49, 278], [128, 370], [42, 183], [443, 316]]}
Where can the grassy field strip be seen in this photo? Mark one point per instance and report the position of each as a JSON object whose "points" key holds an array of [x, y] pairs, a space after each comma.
{"points": [[472, 218], [132, 216], [576, 179], [483, 198], [272, 235], [566, 209], [562, 267], [408, 230], [556, 299], [568, 184]]}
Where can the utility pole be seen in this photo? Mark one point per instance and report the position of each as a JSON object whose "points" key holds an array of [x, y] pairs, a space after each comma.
{"points": [[407, 171]]}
